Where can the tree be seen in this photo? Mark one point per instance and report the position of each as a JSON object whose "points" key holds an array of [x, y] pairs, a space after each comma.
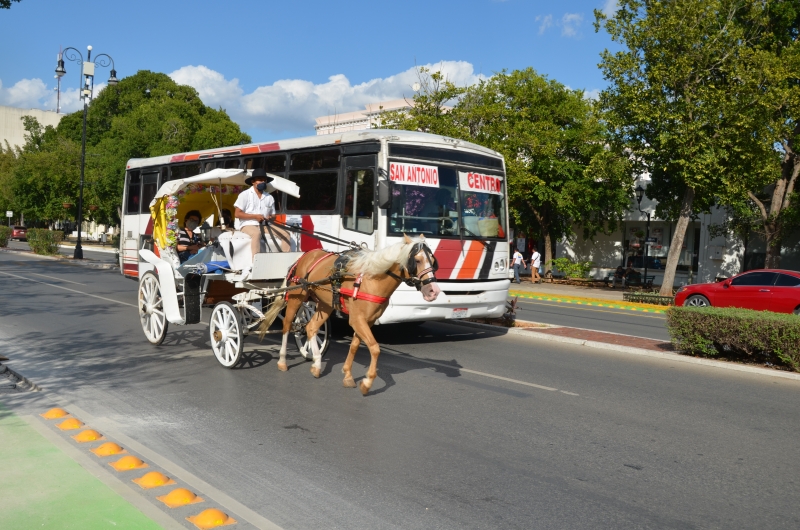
{"points": [[8, 161], [6, 4], [145, 115], [669, 99], [765, 92], [561, 170]]}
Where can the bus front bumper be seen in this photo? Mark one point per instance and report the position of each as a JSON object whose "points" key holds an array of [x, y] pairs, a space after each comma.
{"points": [[484, 300]]}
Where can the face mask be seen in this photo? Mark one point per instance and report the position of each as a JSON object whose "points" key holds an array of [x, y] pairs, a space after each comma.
{"points": [[261, 186], [191, 225]]}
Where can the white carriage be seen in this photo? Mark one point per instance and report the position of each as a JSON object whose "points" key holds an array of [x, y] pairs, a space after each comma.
{"points": [[223, 277]]}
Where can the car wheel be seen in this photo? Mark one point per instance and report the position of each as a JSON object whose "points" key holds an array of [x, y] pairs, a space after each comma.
{"points": [[797, 311], [697, 300]]}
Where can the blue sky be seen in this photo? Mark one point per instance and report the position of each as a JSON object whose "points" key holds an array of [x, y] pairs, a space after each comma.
{"points": [[275, 66]]}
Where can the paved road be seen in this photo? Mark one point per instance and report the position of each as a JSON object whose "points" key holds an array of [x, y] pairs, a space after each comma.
{"points": [[105, 255], [648, 325], [465, 428]]}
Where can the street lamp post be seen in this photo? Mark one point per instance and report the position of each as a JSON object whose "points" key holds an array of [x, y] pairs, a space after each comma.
{"points": [[86, 90], [639, 196]]}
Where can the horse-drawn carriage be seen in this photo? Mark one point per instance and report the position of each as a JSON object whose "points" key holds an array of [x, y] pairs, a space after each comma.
{"points": [[237, 287]]}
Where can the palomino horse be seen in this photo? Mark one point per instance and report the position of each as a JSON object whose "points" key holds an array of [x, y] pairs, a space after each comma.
{"points": [[371, 278]]}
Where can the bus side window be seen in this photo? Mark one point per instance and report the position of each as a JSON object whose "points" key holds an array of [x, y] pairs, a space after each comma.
{"points": [[271, 163], [185, 171], [149, 189], [134, 187], [358, 200]]}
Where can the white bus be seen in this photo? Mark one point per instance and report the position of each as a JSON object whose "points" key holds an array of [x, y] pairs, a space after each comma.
{"points": [[370, 187]]}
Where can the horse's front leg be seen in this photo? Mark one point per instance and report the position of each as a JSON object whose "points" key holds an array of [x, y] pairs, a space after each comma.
{"points": [[348, 363], [362, 328]]}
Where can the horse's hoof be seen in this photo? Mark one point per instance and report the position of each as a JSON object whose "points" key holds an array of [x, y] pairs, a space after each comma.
{"points": [[315, 371], [349, 383], [282, 367], [364, 389]]}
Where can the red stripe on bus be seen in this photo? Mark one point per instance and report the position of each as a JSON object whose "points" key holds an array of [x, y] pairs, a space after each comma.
{"points": [[264, 148], [447, 253], [177, 158], [250, 150], [149, 230]]}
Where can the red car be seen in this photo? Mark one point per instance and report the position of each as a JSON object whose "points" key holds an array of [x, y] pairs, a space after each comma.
{"points": [[763, 290], [20, 233]]}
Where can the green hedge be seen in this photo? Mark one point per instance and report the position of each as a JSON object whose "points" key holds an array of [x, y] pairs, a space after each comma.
{"points": [[5, 233], [738, 334], [44, 241]]}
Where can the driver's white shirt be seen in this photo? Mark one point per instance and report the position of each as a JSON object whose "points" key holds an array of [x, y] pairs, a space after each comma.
{"points": [[248, 202]]}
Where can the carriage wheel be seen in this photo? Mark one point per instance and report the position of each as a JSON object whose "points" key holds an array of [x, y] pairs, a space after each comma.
{"points": [[304, 314], [151, 309], [225, 331]]}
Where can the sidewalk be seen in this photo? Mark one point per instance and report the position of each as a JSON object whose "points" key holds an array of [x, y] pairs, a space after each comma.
{"points": [[42, 487]]}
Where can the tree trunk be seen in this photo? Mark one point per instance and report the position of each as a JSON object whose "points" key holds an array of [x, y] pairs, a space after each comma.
{"points": [[676, 244], [544, 226], [773, 243], [548, 250]]}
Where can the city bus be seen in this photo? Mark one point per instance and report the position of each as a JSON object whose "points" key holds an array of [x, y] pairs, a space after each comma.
{"points": [[368, 187]]}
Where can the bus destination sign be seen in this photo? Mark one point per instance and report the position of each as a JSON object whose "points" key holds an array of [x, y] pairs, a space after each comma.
{"points": [[480, 183], [414, 174]]}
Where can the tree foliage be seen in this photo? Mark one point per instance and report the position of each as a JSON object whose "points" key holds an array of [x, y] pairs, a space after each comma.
{"points": [[672, 99], [560, 167], [6, 4], [145, 115]]}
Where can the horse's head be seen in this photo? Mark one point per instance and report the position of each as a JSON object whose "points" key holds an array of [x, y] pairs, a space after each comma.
{"points": [[422, 266]]}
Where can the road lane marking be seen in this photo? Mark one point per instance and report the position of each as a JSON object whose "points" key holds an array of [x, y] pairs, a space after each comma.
{"points": [[557, 304], [68, 289], [56, 278]]}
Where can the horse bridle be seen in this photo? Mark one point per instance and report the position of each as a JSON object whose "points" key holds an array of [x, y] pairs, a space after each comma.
{"points": [[414, 279]]}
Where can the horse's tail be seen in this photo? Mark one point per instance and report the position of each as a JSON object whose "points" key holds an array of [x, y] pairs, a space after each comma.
{"points": [[272, 313]]}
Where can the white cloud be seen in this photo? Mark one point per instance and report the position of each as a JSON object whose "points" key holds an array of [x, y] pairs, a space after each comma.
{"points": [[547, 21], [570, 23], [291, 105], [593, 94], [285, 106], [610, 8]]}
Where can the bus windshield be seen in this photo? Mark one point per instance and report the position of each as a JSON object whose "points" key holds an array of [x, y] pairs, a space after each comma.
{"points": [[443, 201]]}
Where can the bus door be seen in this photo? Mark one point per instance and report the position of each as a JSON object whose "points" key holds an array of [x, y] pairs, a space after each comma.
{"points": [[359, 221], [137, 229]]}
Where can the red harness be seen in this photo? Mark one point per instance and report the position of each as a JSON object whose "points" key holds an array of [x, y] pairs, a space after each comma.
{"points": [[355, 294]]}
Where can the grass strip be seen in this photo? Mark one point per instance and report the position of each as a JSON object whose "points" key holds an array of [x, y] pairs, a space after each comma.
{"points": [[630, 306]]}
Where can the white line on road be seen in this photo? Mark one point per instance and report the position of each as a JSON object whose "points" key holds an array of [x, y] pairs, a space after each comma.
{"points": [[56, 278], [68, 289]]}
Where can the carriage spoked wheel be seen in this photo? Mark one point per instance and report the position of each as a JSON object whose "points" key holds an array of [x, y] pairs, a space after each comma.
{"points": [[322, 337], [225, 332], [151, 309]]}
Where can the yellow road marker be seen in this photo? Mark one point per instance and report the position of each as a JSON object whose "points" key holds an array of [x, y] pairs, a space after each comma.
{"points": [[54, 414], [128, 463], [154, 479], [70, 424], [211, 518], [108, 449], [180, 497], [89, 435]]}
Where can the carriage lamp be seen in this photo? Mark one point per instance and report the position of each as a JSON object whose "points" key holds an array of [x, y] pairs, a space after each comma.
{"points": [[205, 229], [86, 91]]}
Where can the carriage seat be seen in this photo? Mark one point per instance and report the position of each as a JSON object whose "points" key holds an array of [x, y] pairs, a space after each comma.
{"points": [[236, 246]]}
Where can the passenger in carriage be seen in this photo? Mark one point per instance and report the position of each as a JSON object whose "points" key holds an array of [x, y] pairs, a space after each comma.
{"points": [[253, 206], [188, 241]]}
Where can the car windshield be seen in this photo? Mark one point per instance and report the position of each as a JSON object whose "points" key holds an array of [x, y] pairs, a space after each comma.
{"points": [[441, 200]]}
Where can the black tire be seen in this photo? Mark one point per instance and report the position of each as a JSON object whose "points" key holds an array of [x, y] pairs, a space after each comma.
{"points": [[696, 300], [797, 311]]}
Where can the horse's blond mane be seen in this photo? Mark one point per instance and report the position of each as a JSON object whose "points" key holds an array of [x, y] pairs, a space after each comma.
{"points": [[374, 262]]}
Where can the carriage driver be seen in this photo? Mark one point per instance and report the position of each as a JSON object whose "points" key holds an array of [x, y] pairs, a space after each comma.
{"points": [[254, 205]]}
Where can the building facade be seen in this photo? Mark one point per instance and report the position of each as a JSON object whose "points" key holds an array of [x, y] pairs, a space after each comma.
{"points": [[11, 126], [359, 120]]}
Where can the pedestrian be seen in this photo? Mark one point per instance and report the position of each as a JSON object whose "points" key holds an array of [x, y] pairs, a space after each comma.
{"points": [[518, 262], [253, 206], [188, 241], [619, 276], [536, 262]]}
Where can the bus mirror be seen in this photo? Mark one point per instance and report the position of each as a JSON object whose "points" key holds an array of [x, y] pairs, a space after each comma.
{"points": [[384, 194]]}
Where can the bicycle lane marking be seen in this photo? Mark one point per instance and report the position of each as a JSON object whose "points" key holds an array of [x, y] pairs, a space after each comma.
{"points": [[68, 289]]}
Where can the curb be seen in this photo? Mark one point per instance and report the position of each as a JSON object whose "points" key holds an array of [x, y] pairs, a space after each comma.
{"points": [[62, 259], [32, 387], [634, 351], [91, 248]]}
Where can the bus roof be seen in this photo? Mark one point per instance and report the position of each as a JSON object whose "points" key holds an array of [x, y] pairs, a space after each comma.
{"points": [[312, 141]]}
